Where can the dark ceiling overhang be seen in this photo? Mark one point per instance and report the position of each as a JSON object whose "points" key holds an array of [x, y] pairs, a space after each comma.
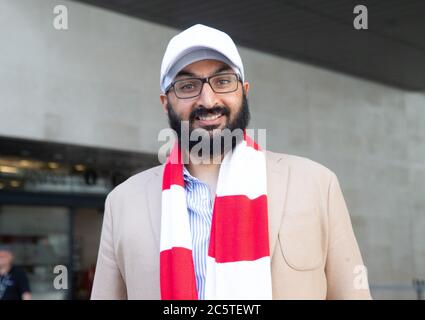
{"points": [[390, 51], [102, 159]]}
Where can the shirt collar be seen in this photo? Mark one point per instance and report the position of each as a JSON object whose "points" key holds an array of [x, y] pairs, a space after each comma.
{"points": [[189, 180]]}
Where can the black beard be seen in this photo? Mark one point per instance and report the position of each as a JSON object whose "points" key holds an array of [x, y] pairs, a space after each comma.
{"points": [[240, 121]]}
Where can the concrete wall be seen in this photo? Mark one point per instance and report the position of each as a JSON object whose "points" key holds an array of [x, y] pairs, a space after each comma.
{"points": [[97, 84]]}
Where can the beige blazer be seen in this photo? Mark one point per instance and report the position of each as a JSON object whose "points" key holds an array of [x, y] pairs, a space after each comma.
{"points": [[314, 253]]}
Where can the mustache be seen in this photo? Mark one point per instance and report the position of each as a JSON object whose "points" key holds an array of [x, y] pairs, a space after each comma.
{"points": [[201, 111]]}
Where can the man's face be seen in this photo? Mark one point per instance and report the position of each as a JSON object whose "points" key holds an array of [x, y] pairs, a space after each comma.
{"points": [[5, 258], [209, 110]]}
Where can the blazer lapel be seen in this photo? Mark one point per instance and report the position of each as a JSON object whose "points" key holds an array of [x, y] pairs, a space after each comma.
{"points": [[277, 185]]}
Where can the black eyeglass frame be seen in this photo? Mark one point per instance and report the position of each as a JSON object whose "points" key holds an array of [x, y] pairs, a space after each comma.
{"points": [[204, 80]]}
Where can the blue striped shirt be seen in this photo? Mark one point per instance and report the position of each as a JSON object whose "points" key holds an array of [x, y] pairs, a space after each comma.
{"points": [[199, 207]]}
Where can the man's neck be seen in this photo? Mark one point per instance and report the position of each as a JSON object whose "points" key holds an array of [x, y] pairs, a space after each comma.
{"points": [[206, 172]]}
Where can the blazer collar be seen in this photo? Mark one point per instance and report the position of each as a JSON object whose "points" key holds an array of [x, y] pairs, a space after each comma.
{"points": [[277, 185]]}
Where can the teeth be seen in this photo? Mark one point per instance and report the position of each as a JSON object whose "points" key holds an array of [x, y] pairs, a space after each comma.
{"points": [[210, 118]]}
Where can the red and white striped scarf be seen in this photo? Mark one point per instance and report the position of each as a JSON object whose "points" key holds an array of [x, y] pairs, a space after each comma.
{"points": [[238, 262]]}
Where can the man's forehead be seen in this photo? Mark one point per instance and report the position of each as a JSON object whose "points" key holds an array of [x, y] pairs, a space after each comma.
{"points": [[204, 68]]}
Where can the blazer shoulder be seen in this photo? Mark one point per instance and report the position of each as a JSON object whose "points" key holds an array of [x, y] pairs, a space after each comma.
{"points": [[301, 164], [137, 183]]}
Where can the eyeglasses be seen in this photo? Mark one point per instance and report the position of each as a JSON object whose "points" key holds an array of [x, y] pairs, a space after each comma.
{"points": [[192, 87]]}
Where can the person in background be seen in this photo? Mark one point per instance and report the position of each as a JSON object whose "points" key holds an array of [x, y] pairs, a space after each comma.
{"points": [[14, 283]]}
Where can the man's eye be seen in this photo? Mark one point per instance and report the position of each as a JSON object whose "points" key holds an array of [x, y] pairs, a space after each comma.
{"points": [[223, 81], [186, 86]]}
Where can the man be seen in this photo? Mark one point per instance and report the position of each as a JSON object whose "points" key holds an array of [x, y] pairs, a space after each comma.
{"points": [[13, 280], [227, 222]]}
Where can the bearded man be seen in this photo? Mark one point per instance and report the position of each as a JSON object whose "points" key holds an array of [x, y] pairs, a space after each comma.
{"points": [[229, 220]]}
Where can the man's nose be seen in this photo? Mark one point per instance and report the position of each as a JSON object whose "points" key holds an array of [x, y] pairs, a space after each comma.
{"points": [[208, 97]]}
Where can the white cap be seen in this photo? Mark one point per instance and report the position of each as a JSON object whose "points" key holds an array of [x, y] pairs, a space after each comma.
{"points": [[197, 43]]}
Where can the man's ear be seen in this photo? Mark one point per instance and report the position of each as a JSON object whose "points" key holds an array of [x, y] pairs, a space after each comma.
{"points": [[246, 87], [164, 101]]}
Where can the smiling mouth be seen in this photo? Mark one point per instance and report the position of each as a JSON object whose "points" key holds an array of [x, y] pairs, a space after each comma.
{"points": [[209, 117], [209, 122]]}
